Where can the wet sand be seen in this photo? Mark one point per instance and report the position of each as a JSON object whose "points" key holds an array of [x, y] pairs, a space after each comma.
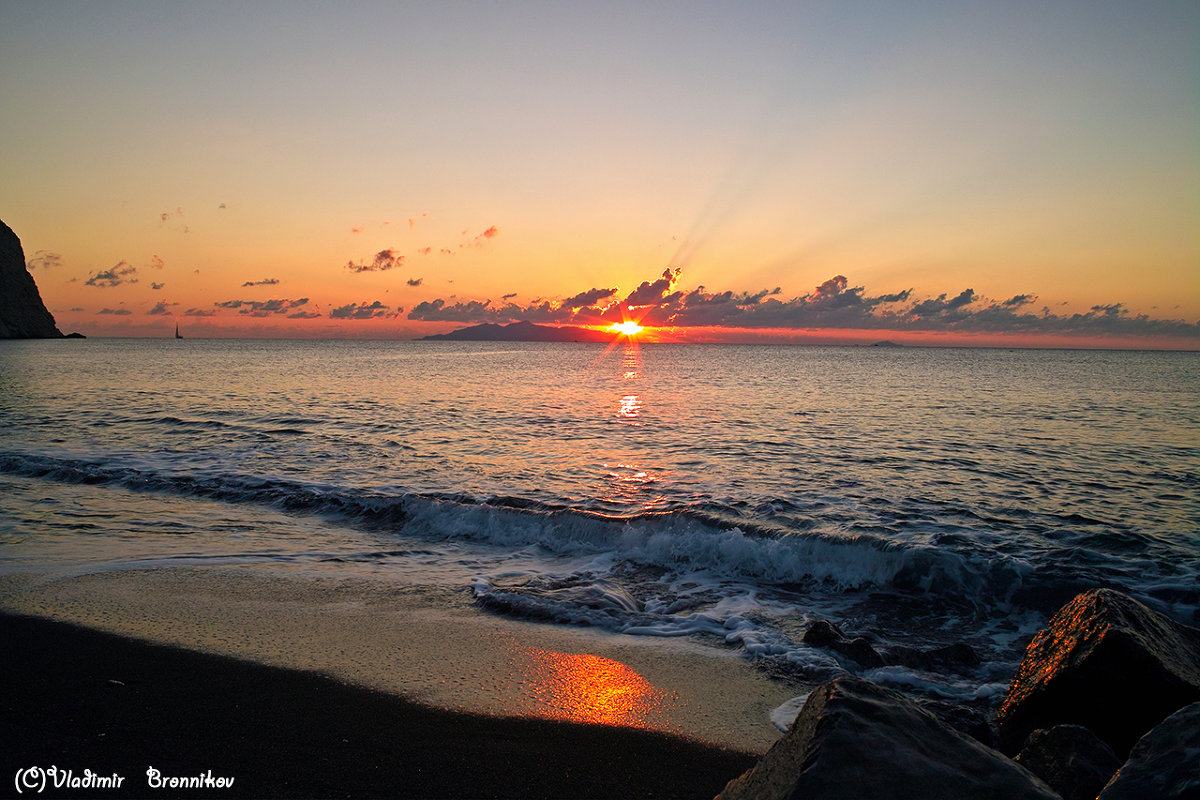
{"points": [[308, 686]]}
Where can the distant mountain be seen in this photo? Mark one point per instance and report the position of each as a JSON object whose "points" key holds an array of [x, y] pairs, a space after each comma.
{"points": [[23, 315], [521, 332]]}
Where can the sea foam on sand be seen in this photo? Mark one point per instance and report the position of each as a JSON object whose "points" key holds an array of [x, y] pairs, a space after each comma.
{"points": [[428, 645]]}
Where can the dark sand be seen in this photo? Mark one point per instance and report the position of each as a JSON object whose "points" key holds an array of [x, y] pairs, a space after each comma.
{"points": [[81, 699]]}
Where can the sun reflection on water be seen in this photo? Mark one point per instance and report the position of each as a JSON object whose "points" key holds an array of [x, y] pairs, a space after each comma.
{"points": [[589, 688]]}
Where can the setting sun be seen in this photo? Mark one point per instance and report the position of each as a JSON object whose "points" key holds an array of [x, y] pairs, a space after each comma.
{"points": [[629, 328]]}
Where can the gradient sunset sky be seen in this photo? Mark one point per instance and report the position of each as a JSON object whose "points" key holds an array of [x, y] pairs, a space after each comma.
{"points": [[992, 173]]}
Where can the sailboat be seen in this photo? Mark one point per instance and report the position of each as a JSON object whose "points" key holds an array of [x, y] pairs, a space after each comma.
{"points": [[177, 336]]}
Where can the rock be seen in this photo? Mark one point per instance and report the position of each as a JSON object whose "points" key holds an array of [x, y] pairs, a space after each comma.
{"points": [[1108, 663], [1164, 764], [855, 739], [823, 633], [1071, 759], [826, 635], [23, 315]]}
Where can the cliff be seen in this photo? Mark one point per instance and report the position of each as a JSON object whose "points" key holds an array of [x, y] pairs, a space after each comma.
{"points": [[23, 315]]}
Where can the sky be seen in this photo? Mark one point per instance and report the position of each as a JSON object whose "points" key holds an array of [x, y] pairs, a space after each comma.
{"points": [[1016, 173]]}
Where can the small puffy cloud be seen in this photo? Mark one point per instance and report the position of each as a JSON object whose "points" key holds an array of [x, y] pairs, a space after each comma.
{"points": [[263, 282], [360, 311], [120, 312], [222, 206], [382, 261], [304, 315], [509, 296], [44, 259], [415, 281], [122, 272], [199, 312], [156, 286], [156, 262], [77, 308], [262, 308], [424, 251], [1019, 300]]}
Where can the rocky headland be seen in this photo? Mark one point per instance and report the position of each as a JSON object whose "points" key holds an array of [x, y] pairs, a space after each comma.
{"points": [[23, 315], [1106, 703]]}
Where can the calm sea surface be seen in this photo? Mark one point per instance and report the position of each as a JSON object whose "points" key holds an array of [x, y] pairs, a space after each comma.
{"points": [[918, 497]]}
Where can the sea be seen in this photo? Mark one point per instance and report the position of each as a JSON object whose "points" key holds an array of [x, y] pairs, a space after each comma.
{"points": [[917, 498]]}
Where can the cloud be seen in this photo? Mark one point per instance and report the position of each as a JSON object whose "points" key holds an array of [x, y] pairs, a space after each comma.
{"points": [[833, 305], [650, 293], [120, 312], [116, 275], [156, 286], [156, 262], [77, 308], [583, 299], [424, 251], [44, 259], [383, 261], [173, 221], [509, 296], [222, 206], [162, 307], [361, 311], [412, 221], [304, 315], [262, 308], [415, 281], [199, 312], [263, 282]]}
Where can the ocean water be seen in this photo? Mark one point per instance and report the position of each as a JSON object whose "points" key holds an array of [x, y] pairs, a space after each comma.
{"points": [[915, 497]]}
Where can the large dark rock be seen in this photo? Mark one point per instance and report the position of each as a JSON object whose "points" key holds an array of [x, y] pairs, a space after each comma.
{"points": [[1071, 759], [1108, 663], [855, 739], [1164, 764], [23, 315]]}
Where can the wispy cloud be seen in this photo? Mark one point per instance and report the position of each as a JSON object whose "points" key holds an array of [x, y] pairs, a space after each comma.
{"points": [[44, 259], [174, 221], [156, 286], [116, 275], [200, 312], [381, 262], [263, 282], [120, 312], [415, 281]]}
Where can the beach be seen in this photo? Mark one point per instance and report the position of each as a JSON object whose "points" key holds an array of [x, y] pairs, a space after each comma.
{"points": [[305, 688], [93, 702]]}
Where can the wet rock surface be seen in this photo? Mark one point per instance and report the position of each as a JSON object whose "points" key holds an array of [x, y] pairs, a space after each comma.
{"points": [[1164, 764], [1108, 663], [855, 739]]}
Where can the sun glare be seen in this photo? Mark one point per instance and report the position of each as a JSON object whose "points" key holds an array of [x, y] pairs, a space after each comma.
{"points": [[628, 328]]}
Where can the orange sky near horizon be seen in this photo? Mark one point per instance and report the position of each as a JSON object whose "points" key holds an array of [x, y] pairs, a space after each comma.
{"points": [[369, 171]]}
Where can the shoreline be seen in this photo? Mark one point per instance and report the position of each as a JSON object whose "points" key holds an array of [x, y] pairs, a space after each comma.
{"points": [[82, 699]]}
